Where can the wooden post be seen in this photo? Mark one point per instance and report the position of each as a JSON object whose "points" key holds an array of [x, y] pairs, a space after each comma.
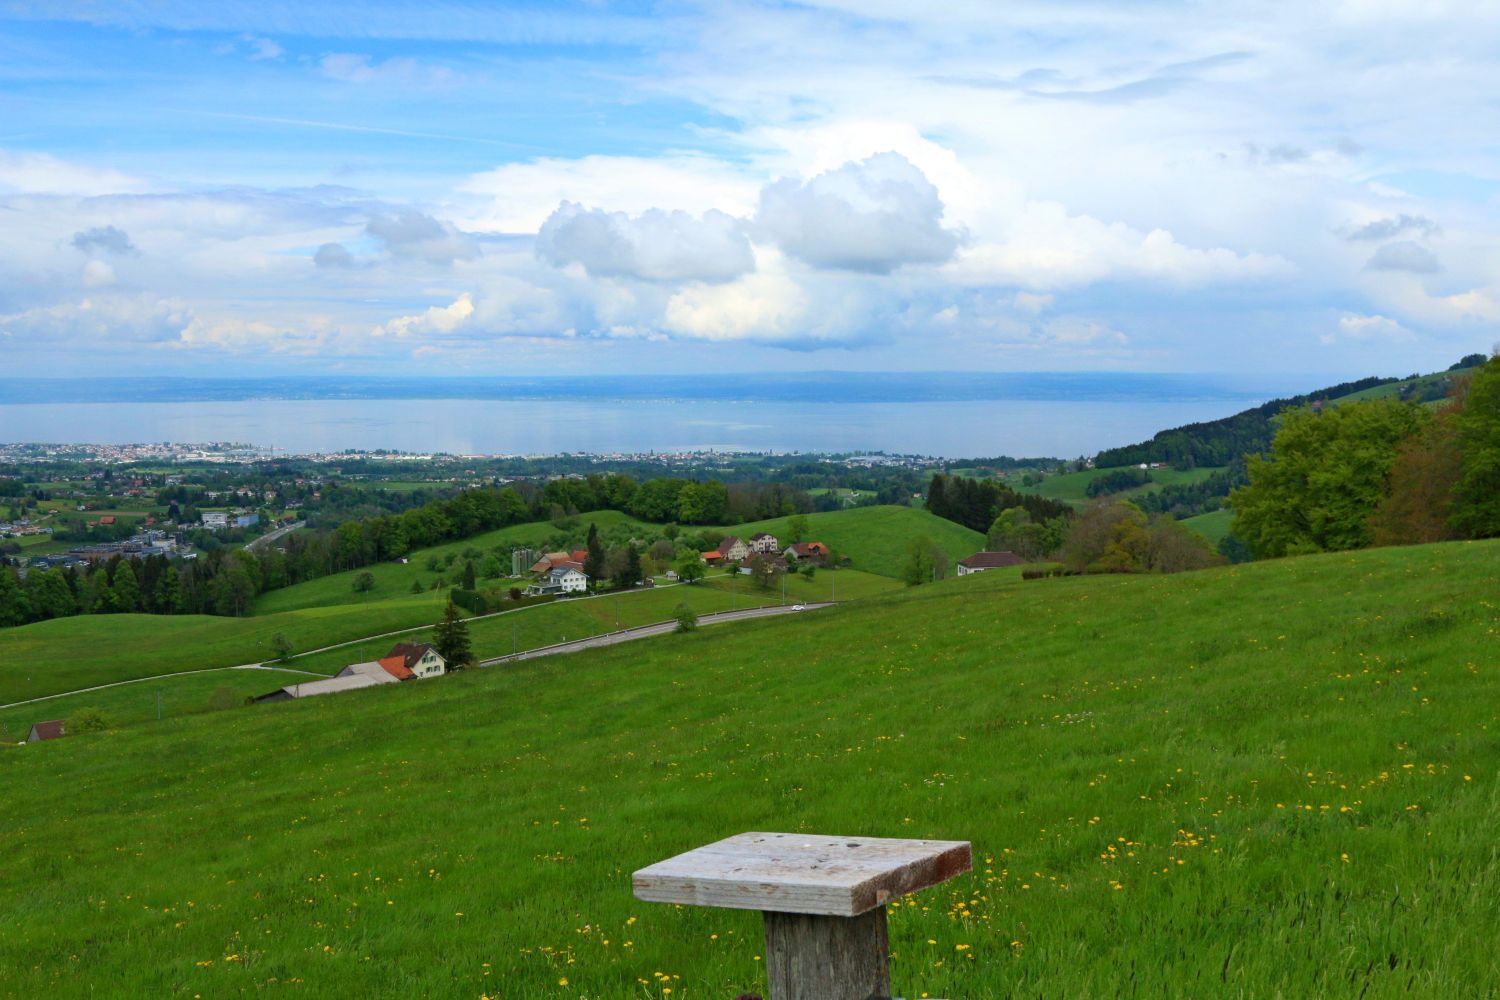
{"points": [[823, 899]]}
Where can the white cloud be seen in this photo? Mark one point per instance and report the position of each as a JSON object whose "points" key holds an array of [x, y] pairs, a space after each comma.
{"points": [[520, 197], [262, 48], [767, 305], [872, 216], [39, 173], [652, 246], [1404, 255], [435, 320], [350, 67], [98, 274], [409, 233], [1354, 326]]}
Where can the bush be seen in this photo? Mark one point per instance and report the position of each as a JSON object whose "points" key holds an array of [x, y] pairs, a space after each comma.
{"points": [[687, 618], [87, 720], [470, 600]]}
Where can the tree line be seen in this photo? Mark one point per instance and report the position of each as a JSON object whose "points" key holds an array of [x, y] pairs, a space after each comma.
{"points": [[1381, 472]]}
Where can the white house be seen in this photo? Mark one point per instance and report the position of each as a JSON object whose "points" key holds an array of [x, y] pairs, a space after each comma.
{"points": [[420, 658], [732, 549], [565, 579], [763, 542], [215, 520]]}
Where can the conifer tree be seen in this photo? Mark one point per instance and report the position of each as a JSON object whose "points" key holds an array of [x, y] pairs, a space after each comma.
{"points": [[451, 639]]}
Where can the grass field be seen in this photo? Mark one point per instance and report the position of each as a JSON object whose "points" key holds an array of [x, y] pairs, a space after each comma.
{"points": [[1214, 525], [1422, 382], [394, 580], [1071, 487], [65, 654], [874, 537], [1274, 779], [577, 618], [132, 704]]}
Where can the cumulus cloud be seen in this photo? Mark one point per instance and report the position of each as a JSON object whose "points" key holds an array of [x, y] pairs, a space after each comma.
{"points": [[411, 234], [103, 320], [105, 238], [872, 216], [334, 255], [436, 320], [1384, 229], [653, 246], [98, 274], [1355, 326], [1405, 255], [38, 173], [757, 306]]}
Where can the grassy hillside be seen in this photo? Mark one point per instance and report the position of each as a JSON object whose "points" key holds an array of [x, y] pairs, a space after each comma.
{"points": [[875, 538], [1072, 487], [1435, 384], [1275, 779], [395, 579], [69, 653], [1215, 525]]}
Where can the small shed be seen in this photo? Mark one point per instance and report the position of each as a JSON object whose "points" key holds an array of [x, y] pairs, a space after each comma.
{"points": [[45, 731]]}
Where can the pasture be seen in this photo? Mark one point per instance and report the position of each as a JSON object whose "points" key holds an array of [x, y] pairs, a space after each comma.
{"points": [[1072, 487], [1273, 779]]}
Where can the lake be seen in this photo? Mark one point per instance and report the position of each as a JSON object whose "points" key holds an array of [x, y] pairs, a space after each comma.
{"points": [[941, 414]]}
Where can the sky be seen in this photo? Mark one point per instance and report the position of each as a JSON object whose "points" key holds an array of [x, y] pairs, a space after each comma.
{"points": [[449, 188]]}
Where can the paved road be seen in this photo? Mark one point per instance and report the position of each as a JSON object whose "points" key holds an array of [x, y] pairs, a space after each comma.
{"points": [[646, 631], [267, 539]]}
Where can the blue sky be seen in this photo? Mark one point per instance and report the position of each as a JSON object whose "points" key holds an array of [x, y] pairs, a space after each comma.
{"points": [[268, 187]]}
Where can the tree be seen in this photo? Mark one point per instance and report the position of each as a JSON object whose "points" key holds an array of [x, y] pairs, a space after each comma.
{"points": [[593, 562], [687, 618], [1476, 496], [48, 595], [364, 582], [468, 577], [764, 570], [232, 589], [489, 567], [1325, 476], [13, 609], [796, 528], [125, 590], [281, 646], [416, 587], [450, 637], [690, 570], [1419, 506], [918, 566]]}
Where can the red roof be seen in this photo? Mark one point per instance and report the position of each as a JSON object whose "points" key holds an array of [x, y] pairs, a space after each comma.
{"points": [[45, 731], [407, 652], [712, 555], [107, 519], [396, 667], [578, 556], [804, 549]]}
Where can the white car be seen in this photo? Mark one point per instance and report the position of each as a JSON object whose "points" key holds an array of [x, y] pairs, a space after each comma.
{"points": [[799, 607]]}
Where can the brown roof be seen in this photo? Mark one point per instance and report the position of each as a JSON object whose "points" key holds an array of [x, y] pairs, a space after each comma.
{"points": [[727, 542], [410, 653], [45, 731], [991, 560], [801, 549]]}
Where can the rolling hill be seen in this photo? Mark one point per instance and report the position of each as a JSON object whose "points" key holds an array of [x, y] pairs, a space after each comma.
{"points": [[1277, 778]]}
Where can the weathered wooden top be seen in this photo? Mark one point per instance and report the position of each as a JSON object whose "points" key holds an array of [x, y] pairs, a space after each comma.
{"points": [[801, 873]]}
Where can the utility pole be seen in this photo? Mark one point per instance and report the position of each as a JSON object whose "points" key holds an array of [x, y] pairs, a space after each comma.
{"points": [[512, 638]]}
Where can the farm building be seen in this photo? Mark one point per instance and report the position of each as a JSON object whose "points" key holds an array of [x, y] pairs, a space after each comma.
{"points": [[981, 561], [45, 731]]}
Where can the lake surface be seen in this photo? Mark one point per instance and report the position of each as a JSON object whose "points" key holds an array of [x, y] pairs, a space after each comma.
{"points": [[946, 415]]}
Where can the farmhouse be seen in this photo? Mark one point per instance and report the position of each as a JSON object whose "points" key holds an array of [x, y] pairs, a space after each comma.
{"points": [[419, 659], [45, 731], [733, 549], [569, 578], [807, 552], [552, 560], [763, 542], [713, 558], [981, 561]]}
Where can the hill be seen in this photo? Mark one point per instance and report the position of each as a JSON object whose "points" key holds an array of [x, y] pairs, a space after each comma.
{"points": [[1277, 778], [1219, 442], [1072, 487], [875, 538]]}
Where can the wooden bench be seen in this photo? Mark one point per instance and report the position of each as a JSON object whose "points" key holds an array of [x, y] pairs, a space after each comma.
{"points": [[823, 899]]}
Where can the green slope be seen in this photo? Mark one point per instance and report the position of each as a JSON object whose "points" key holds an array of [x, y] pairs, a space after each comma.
{"points": [[874, 538], [1072, 487], [1215, 525], [1275, 779]]}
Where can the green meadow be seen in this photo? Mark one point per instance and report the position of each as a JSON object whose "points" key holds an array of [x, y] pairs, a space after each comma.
{"points": [[1214, 526], [1071, 487], [875, 539], [1272, 779]]}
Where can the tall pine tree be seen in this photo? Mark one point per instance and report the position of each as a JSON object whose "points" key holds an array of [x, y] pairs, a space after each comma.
{"points": [[593, 563], [451, 639]]}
